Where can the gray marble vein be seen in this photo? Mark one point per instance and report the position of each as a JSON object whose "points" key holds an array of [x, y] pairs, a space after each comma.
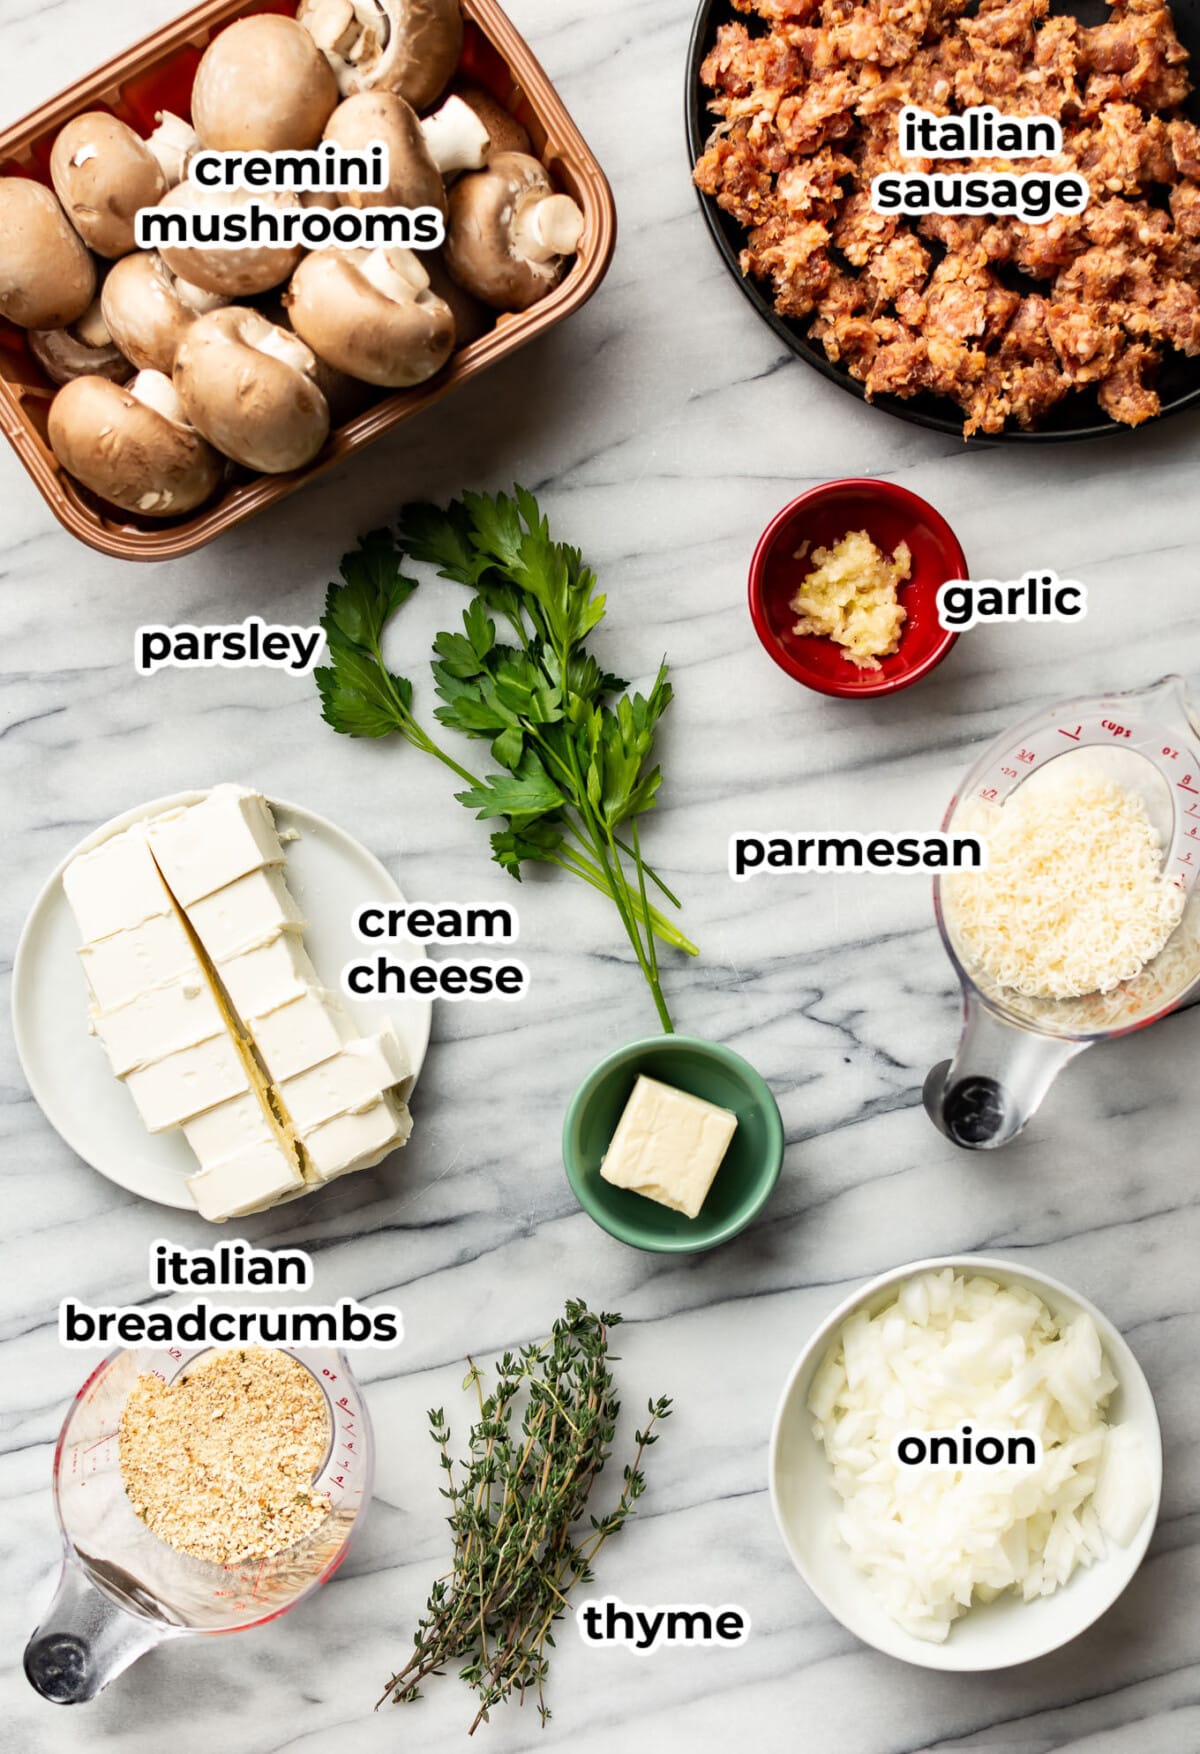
{"points": [[663, 427]]}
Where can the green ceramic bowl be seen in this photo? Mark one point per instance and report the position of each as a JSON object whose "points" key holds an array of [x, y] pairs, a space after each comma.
{"points": [[744, 1180]]}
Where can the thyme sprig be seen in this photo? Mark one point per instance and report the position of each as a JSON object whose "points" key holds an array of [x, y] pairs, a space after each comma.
{"points": [[523, 1536]]}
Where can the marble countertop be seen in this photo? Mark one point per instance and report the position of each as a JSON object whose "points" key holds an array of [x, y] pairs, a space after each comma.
{"points": [[662, 428]]}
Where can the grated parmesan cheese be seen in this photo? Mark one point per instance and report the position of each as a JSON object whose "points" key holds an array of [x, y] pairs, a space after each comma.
{"points": [[1072, 900]]}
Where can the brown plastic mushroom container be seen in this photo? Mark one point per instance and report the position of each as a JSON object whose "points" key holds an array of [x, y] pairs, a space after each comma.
{"points": [[157, 74]]}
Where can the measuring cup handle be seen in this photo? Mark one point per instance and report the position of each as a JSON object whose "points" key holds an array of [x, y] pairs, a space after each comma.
{"points": [[985, 1096], [85, 1640]]}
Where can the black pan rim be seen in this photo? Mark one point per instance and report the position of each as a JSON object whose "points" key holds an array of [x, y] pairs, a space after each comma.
{"points": [[697, 131]]}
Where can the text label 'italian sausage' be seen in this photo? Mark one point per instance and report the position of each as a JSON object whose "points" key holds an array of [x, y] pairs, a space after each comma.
{"points": [[772, 854], [1037, 596], [613, 1622], [248, 644]]}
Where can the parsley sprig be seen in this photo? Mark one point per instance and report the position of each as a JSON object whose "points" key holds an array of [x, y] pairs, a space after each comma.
{"points": [[518, 1511], [573, 748]]}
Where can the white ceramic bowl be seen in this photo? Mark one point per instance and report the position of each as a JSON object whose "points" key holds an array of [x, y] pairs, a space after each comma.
{"points": [[993, 1636]]}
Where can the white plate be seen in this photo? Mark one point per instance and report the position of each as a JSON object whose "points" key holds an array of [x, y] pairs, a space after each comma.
{"points": [[1000, 1633], [329, 873]]}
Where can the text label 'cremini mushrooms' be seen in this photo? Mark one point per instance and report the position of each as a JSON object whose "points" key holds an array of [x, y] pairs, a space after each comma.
{"points": [[247, 385], [407, 46], [510, 233], [103, 173], [133, 445], [371, 314], [262, 85], [237, 272], [47, 278]]}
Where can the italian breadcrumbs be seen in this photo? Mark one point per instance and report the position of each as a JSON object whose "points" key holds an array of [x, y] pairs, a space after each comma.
{"points": [[220, 1463]]}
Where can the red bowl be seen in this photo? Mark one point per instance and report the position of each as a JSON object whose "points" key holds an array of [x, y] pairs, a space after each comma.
{"points": [[821, 517]]}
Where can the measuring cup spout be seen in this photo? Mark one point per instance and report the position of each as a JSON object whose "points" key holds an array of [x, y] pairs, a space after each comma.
{"points": [[996, 1081], [86, 1640]]}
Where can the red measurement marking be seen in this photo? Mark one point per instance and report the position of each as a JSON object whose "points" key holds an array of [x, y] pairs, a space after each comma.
{"points": [[1192, 810], [1074, 735], [989, 794], [1193, 833], [1185, 784], [344, 1404], [257, 1580]]}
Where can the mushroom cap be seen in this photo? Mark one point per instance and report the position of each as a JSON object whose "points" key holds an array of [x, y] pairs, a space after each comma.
{"points": [[262, 84], [471, 318], [407, 46], [371, 314], [147, 310], [480, 250], [103, 173], [82, 349], [47, 278], [413, 178], [128, 452], [507, 134], [238, 272], [247, 385]]}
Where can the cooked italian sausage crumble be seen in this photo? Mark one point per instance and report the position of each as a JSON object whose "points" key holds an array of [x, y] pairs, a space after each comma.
{"points": [[1005, 318]]}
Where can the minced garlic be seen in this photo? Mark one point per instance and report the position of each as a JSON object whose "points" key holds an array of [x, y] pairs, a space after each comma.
{"points": [[850, 598], [220, 1463]]}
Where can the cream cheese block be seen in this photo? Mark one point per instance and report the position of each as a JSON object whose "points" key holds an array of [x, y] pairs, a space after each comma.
{"points": [[184, 1084], [353, 1078], [229, 1128], [668, 1146], [129, 963], [268, 976], [114, 887], [245, 913], [202, 847], [159, 1022], [302, 1033], [251, 1181], [358, 1140]]}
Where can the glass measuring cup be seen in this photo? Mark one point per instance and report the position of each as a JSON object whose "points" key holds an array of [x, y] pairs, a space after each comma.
{"points": [[1013, 1047], [122, 1590]]}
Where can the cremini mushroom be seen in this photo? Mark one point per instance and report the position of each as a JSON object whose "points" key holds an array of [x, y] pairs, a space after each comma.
{"points": [[262, 84], [407, 46], [510, 233], [248, 386], [147, 309], [47, 278], [420, 154], [133, 445], [345, 395], [103, 173], [371, 314], [471, 319], [173, 142], [506, 133], [83, 349], [237, 272]]}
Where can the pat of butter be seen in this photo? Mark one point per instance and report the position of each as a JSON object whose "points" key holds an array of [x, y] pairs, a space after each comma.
{"points": [[228, 1129], [186, 1083], [302, 1033], [270, 975], [128, 963], [259, 1175], [158, 1023], [668, 1146], [353, 1078], [115, 887], [202, 847], [245, 913], [357, 1141]]}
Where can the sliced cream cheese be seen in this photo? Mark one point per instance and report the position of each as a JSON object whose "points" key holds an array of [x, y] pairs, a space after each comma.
{"points": [[187, 1083], [202, 847], [668, 1146], [354, 1078], [250, 911], [302, 1033], [254, 1179], [228, 1129], [159, 1022], [114, 887], [129, 963], [358, 1140], [268, 976]]}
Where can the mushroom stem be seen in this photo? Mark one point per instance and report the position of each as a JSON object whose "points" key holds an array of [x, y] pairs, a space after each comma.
{"points": [[456, 138], [172, 144], [195, 297], [155, 390], [398, 274], [550, 227], [91, 328]]}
